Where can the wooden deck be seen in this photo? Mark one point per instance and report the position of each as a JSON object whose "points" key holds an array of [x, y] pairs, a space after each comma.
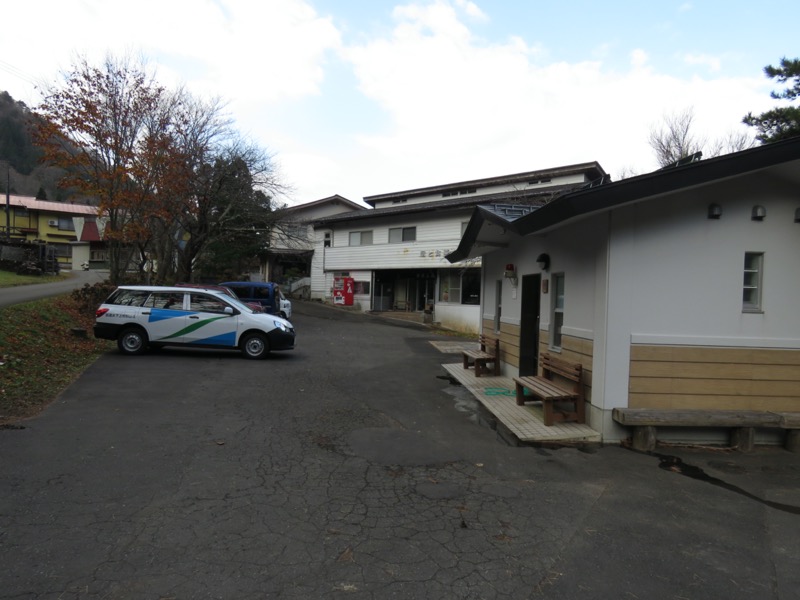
{"points": [[525, 423]]}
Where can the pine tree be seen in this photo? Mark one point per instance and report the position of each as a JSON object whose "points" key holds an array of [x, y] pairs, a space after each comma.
{"points": [[781, 122]]}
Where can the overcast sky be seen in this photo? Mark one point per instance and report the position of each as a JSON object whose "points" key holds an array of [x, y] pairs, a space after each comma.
{"points": [[364, 97]]}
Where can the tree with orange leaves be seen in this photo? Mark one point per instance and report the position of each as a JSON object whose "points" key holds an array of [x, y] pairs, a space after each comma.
{"points": [[159, 165]]}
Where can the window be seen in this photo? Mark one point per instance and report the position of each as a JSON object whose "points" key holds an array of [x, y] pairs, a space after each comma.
{"points": [[65, 224], [557, 309], [498, 295], [402, 234], [360, 238], [123, 297], [471, 287], [203, 303], [361, 288], [172, 301], [753, 270], [460, 286], [449, 286], [327, 242]]}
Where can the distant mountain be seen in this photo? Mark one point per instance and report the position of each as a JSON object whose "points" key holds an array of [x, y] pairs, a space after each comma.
{"points": [[20, 159]]}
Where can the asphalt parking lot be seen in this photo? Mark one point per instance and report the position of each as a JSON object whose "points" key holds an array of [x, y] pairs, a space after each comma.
{"points": [[350, 468]]}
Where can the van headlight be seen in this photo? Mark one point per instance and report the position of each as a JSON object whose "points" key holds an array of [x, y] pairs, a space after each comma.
{"points": [[282, 326]]}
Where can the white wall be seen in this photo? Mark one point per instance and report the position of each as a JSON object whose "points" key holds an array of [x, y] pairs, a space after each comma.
{"points": [[685, 271], [459, 317], [436, 237]]}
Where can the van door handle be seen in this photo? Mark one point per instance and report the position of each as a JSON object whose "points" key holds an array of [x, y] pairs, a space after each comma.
{"points": [[194, 317], [145, 312]]}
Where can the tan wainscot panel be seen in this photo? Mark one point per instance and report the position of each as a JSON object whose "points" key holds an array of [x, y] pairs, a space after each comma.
{"points": [[509, 341], [714, 378], [714, 402], [758, 356], [573, 349]]}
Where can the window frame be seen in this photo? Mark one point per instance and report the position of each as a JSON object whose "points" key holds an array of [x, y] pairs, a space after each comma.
{"points": [[361, 236], [447, 276], [753, 282], [557, 301], [412, 231]]}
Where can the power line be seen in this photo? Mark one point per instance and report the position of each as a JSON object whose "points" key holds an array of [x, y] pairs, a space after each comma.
{"points": [[16, 72]]}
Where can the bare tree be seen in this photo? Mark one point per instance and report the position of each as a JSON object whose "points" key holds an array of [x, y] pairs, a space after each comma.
{"points": [[674, 139], [733, 142]]}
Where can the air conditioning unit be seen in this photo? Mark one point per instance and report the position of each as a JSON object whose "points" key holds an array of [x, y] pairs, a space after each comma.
{"points": [[53, 222]]}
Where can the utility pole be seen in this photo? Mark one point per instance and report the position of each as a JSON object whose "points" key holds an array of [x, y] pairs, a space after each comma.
{"points": [[8, 201]]}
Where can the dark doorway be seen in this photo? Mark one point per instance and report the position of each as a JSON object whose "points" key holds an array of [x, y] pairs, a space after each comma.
{"points": [[529, 325]]}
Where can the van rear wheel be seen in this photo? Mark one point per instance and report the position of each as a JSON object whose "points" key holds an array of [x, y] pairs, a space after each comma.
{"points": [[255, 346], [132, 340]]}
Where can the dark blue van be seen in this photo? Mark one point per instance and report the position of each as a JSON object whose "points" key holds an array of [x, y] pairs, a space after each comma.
{"points": [[266, 294]]}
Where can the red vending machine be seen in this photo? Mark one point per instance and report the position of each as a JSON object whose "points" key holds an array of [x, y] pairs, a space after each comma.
{"points": [[343, 291]]}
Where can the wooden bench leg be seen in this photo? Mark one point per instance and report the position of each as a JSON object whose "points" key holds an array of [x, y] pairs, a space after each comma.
{"points": [[644, 438], [466, 361], [547, 407], [480, 366], [520, 394], [580, 410], [792, 443], [743, 438]]}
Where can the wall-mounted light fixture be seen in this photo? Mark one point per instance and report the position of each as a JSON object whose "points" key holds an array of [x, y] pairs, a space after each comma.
{"points": [[543, 260], [758, 214], [511, 273], [714, 211]]}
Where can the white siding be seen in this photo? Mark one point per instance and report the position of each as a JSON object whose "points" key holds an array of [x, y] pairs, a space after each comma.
{"points": [[436, 237], [481, 191]]}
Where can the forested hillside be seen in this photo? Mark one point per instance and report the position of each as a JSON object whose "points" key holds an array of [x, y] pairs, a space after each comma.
{"points": [[20, 160]]}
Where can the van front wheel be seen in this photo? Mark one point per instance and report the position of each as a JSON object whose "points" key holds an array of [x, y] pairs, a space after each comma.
{"points": [[255, 346]]}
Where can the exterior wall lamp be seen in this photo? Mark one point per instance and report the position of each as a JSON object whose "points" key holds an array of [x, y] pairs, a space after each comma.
{"points": [[714, 211], [511, 274], [758, 214], [543, 260]]}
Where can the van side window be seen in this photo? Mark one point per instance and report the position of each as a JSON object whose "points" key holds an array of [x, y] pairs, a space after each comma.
{"points": [[172, 301], [129, 297], [203, 303]]}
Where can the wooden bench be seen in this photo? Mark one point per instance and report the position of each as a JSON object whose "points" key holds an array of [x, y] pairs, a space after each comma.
{"points": [[742, 424], [489, 353], [542, 387]]}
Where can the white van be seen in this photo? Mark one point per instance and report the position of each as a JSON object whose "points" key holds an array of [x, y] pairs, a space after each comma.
{"points": [[141, 316]]}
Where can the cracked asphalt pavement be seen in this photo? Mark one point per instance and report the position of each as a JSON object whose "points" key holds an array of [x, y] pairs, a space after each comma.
{"points": [[348, 468]]}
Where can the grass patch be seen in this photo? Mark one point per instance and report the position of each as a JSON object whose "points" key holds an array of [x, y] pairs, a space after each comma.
{"points": [[9, 279], [39, 354]]}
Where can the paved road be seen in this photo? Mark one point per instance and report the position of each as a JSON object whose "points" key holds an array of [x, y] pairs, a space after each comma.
{"points": [[350, 469], [29, 293]]}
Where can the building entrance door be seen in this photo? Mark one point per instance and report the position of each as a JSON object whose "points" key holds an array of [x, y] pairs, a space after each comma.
{"points": [[529, 325]]}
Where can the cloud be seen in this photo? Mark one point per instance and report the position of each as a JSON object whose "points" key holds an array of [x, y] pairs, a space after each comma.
{"points": [[459, 107], [472, 10], [264, 51], [712, 62], [424, 101]]}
